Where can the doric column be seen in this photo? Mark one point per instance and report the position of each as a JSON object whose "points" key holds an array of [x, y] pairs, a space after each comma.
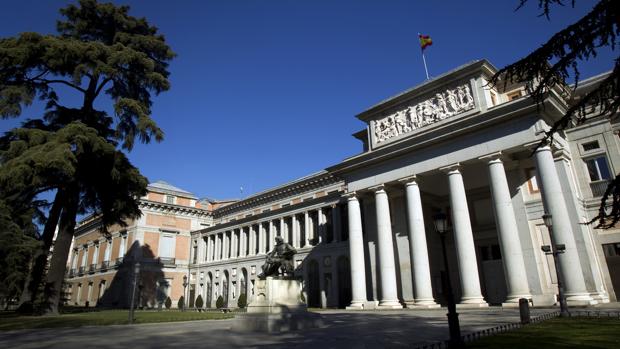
{"points": [[233, 243], [218, 246], [271, 234], [512, 254], [207, 240], [464, 240], [213, 249], [356, 253], [307, 227], [295, 228], [418, 250], [553, 200], [252, 236], [228, 244], [259, 239], [243, 236], [209, 248], [389, 296], [321, 224]]}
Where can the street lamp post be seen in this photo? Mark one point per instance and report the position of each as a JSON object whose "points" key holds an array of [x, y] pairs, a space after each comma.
{"points": [[441, 226], [184, 293], [555, 250], [136, 271]]}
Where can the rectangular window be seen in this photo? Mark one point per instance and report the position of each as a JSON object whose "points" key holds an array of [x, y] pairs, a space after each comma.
{"points": [[532, 182], [108, 251], [78, 296], [96, 255], [75, 260], [90, 292], [166, 247], [123, 247], [169, 199], [598, 169], [84, 256], [590, 146]]}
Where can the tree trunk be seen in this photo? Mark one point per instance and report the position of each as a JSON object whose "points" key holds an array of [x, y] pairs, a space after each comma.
{"points": [[32, 286], [62, 246]]}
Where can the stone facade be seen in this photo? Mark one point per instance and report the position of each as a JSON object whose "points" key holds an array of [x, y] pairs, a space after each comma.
{"points": [[364, 230]]}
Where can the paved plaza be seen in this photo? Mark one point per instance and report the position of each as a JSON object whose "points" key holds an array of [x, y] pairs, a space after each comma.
{"points": [[343, 329]]}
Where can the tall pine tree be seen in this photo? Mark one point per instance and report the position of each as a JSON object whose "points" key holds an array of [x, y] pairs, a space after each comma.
{"points": [[100, 49]]}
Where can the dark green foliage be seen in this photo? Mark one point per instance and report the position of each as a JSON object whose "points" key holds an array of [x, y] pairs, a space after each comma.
{"points": [[168, 303], [199, 302], [17, 246], [242, 302], [549, 67], [181, 302], [219, 302], [99, 49]]}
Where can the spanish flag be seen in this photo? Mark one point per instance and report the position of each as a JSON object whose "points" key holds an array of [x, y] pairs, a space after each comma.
{"points": [[425, 41]]}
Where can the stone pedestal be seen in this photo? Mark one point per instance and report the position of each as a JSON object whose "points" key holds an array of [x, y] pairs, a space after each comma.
{"points": [[277, 307]]}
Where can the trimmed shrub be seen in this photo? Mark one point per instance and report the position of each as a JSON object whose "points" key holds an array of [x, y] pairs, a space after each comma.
{"points": [[181, 302], [219, 303], [168, 303], [199, 302], [242, 302]]}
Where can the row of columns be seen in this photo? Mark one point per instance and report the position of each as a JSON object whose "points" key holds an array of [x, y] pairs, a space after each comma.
{"points": [[300, 230], [514, 265]]}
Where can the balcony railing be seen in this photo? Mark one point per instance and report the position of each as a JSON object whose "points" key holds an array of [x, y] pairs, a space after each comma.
{"points": [[92, 268], [119, 261], [167, 261], [105, 265], [72, 272], [81, 271], [599, 187]]}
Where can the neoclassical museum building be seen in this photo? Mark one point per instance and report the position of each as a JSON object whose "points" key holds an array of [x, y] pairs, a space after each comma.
{"points": [[363, 228]]}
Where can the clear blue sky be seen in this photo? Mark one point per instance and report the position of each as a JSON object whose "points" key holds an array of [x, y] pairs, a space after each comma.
{"points": [[264, 92]]}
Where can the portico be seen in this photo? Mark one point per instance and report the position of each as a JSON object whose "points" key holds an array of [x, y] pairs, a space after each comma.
{"points": [[468, 157]]}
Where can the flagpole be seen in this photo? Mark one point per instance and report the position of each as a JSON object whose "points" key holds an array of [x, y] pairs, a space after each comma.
{"points": [[425, 69]]}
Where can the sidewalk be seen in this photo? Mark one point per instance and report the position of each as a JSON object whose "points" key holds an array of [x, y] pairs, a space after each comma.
{"points": [[348, 329]]}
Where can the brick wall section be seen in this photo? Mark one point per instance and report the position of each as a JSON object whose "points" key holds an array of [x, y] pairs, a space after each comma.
{"points": [[182, 201], [151, 241], [116, 245], [182, 247], [177, 286], [168, 221], [102, 247], [155, 197]]}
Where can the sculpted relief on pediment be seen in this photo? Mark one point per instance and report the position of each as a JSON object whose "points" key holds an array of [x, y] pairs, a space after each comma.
{"points": [[444, 105]]}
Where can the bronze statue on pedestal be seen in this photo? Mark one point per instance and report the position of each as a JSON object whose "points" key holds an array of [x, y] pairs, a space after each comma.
{"points": [[280, 259]]}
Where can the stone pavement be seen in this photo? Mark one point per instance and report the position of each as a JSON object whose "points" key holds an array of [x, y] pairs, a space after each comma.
{"points": [[344, 329]]}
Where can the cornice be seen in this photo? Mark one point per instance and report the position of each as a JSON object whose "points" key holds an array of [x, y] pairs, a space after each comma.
{"points": [[172, 208], [305, 185]]}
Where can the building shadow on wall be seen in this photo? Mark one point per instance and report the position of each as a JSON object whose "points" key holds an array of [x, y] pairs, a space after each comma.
{"points": [[326, 277], [151, 287]]}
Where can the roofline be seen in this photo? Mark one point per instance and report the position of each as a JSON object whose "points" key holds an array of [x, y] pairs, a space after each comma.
{"points": [[425, 87]]}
